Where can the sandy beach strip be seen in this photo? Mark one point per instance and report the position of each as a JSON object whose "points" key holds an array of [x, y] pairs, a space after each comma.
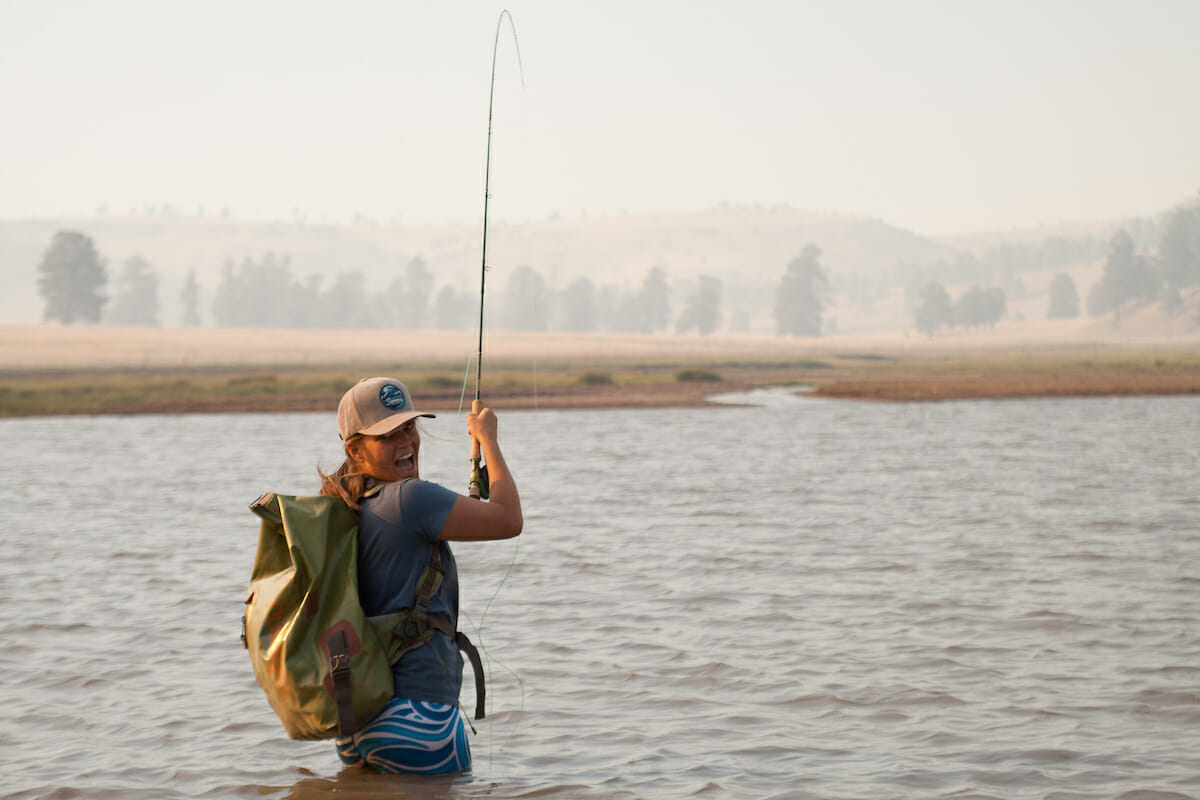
{"points": [[48, 369]]}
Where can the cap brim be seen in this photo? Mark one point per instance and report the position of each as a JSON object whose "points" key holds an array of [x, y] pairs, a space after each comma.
{"points": [[389, 424]]}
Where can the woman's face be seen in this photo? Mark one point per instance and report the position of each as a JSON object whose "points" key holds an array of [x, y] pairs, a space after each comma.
{"points": [[392, 457]]}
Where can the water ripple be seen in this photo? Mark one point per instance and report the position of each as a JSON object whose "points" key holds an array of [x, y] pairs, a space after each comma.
{"points": [[839, 601]]}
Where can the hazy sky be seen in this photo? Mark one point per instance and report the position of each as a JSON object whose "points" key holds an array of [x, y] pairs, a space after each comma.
{"points": [[941, 117]]}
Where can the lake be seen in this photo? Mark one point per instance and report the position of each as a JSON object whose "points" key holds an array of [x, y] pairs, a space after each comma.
{"points": [[783, 598]]}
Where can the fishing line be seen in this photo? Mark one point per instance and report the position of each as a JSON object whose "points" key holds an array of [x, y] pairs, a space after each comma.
{"points": [[478, 475], [462, 398], [482, 645], [478, 478], [487, 174]]}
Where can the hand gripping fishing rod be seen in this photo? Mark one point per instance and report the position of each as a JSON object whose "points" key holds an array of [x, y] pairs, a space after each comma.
{"points": [[478, 487]]}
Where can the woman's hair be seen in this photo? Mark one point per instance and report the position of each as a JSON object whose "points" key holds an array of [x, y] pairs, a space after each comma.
{"points": [[348, 481]]}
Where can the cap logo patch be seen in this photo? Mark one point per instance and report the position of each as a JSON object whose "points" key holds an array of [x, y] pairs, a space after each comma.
{"points": [[392, 396]]}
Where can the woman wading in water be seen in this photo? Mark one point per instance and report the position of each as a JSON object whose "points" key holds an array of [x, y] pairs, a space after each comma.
{"points": [[402, 520]]}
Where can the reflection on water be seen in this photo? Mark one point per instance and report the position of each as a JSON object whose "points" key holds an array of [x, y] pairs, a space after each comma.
{"points": [[798, 598]]}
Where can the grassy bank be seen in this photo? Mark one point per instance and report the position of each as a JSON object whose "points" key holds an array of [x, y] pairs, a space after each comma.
{"points": [[436, 386], [1024, 372], [615, 382]]}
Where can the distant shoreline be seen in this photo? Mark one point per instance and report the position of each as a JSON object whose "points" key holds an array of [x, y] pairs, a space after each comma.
{"points": [[47, 370]]}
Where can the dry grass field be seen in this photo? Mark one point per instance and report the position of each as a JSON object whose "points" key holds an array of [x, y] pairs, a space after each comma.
{"points": [[47, 369]]}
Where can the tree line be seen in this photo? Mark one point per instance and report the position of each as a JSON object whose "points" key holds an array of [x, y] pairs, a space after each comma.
{"points": [[1128, 275], [264, 292], [73, 282]]}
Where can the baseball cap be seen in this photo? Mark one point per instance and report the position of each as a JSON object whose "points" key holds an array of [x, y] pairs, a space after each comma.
{"points": [[374, 407]]}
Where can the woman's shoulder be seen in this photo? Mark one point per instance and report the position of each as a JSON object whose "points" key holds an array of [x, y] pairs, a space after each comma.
{"points": [[415, 505], [411, 491]]}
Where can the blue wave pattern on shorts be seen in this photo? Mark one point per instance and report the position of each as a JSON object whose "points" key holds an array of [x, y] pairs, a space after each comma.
{"points": [[410, 736]]}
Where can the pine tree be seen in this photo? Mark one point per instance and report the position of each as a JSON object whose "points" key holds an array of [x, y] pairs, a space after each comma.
{"points": [[1126, 277], [800, 298], [652, 303], [702, 312], [71, 279], [189, 298], [1064, 299], [1179, 249], [136, 301], [933, 310]]}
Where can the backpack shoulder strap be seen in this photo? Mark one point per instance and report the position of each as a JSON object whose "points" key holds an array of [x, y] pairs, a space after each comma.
{"points": [[415, 626]]}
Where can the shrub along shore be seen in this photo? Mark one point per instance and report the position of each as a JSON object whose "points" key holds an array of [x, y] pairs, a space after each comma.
{"points": [[614, 382]]}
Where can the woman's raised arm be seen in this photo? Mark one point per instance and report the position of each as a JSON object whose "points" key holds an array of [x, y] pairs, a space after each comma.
{"points": [[500, 516]]}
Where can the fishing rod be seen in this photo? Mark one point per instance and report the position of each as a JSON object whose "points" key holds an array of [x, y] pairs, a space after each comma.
{"points": [[478, 487]]}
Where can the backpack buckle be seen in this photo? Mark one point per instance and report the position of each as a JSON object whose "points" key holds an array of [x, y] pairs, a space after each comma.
{"points": [[339, 666]]}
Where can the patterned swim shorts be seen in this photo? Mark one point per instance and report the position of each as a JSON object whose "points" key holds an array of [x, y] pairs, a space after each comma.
{"points": [[410, 736]]}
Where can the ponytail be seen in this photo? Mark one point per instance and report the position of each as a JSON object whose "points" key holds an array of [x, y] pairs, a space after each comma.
{"points": [[348, 481]]}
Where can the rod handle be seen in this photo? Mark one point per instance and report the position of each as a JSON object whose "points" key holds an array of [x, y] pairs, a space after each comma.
{"points": [[476, 407], [473, 489]]}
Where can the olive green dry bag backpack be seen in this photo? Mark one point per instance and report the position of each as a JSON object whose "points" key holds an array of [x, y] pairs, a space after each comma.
{"points": [[315, 653]]}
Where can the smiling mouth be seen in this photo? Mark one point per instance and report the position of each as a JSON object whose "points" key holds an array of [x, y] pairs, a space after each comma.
{"points": [[406, 462]]}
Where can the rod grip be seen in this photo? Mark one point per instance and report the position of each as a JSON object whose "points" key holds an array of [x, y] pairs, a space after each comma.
{"points": [[476, 407], [474, 488]]}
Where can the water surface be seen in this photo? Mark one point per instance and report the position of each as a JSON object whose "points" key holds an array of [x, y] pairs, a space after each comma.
{"points": [[795, 599]]}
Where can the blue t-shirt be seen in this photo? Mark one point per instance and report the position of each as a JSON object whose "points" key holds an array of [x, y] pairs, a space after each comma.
{"points": [[397, 526]]}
